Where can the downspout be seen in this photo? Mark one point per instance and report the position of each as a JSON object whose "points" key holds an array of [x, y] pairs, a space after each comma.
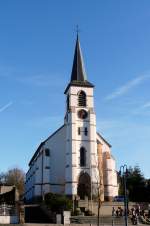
{"points": [[42, 173]]}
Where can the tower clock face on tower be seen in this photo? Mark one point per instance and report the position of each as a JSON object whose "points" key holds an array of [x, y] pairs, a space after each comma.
{"points": [[82, 114]]}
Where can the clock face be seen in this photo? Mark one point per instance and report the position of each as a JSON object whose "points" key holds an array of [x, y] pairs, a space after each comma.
{"points": [[82, 114]]}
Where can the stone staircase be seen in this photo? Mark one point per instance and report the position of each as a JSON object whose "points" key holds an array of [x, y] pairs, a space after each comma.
{"points": [[107, 220], [105, 213], [106, 207]]}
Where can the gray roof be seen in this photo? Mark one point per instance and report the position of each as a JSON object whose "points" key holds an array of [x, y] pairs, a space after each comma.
{"points": [[78, 74], [104, 139]]}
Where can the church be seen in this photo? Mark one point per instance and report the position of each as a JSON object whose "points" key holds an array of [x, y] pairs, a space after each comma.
{"points": [[75, 160]]}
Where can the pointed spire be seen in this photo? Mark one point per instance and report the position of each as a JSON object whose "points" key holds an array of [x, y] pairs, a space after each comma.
{"points": [[78, 75], [78, 70]]}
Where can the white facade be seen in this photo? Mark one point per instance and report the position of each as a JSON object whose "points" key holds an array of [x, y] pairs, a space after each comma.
{"points": [[47, 171], [67, 162], [75, 141]]}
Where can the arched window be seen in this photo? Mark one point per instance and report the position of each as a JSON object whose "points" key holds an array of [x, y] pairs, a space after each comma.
{"points": [[82, 156], [82, 99]]}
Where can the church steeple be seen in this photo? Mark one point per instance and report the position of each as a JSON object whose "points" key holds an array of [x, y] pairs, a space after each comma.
{"points": [[78, 75], [78, 70]]}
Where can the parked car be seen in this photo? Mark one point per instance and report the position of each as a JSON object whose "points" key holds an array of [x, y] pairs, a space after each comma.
{"points": [[119, 198]]}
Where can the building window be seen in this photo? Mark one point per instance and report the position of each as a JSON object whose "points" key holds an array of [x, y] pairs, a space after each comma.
{"points": [[85, 131], [47, 152], [82, 99], [47, 167], [82, 156], [79, 131]]}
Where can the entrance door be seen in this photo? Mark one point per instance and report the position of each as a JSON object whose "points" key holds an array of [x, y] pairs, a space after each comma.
{"points": [[84, 186]]}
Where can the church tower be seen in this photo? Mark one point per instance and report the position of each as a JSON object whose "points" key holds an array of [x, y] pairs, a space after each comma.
{"points": [[81, 171]]}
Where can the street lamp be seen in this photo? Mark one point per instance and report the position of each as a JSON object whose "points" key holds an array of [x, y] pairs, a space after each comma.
{"points": [[123, 173]]}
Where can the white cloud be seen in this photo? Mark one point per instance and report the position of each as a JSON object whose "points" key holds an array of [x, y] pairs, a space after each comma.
{"points": [[5, 106], [126, 87], [143, 109], [146, 105]]}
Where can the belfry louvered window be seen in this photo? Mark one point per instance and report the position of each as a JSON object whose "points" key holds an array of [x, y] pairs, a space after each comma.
{"points": [[82, 99], [82, 156]]}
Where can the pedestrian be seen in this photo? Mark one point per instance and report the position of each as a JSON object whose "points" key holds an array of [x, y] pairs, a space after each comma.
{"points": [[113, 211], [117, 213]]}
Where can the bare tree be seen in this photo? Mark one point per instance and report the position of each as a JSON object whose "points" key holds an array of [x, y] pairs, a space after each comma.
{"points": [[2, 178], [99, 179], [14, 176]]}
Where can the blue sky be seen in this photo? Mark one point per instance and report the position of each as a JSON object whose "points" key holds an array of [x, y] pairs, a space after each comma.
{"points": [[37, 41]]}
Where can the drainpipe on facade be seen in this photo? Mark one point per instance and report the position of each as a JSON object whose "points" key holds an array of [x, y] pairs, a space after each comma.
{"points": [[42, 175]]}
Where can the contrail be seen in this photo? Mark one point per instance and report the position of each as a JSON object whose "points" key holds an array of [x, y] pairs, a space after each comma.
{"points": [[5, 107], [128, 86]]}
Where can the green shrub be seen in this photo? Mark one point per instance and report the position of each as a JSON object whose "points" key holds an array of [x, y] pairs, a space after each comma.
{"points": [[76, 212], [57, 203]]}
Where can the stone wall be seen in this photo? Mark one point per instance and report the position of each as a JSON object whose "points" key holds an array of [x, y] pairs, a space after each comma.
{"points": [[100, 168]]}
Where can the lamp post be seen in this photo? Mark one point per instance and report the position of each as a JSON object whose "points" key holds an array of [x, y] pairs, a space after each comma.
{"points": [[123, 172]]}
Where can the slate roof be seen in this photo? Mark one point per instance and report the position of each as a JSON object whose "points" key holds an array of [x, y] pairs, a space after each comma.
{"points": [[78, 74], [104, 139]]}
